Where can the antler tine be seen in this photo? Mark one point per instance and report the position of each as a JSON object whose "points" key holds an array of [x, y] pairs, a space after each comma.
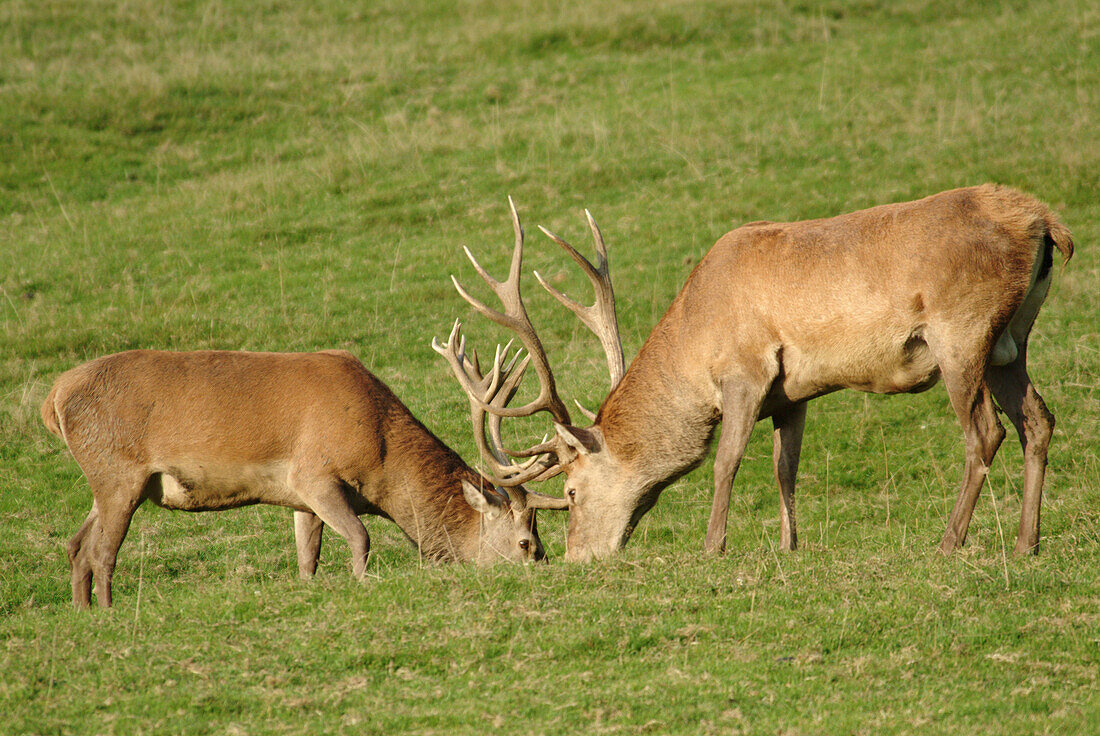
{"points": [[454, 350], [600, 317], [588, 413], [517, 249], [500, 371], [515, 318]]}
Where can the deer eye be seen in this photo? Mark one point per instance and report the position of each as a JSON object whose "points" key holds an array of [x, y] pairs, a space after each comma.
{"points": [[524, 544], [572, 494]]}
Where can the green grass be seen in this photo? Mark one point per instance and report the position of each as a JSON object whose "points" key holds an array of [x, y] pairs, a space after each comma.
{"points": [[296, 176]]}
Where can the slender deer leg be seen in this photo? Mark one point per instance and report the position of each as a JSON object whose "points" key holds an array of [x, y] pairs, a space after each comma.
{"points": [[1034, 425], [326, 497], [973, 404], [740, 410], [786, 450], [80, 565], [307, 538], [117, 505]]}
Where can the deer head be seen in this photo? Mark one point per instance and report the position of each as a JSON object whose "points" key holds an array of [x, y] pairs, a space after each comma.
{"points": [[600, 490]]}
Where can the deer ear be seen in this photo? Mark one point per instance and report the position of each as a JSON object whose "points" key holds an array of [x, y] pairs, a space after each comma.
{"points": [[583, 441], [485, 501]]}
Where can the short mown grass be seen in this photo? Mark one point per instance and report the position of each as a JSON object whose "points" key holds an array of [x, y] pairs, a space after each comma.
{"points": [[298, 176]]}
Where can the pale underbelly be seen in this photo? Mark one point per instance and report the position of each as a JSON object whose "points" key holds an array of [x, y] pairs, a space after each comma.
{"points": [[905, 368], [212, 488]]}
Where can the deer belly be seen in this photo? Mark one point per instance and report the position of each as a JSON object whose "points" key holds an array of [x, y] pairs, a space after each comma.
{"points": [[910, 369], [212, 487], [903, 365]]}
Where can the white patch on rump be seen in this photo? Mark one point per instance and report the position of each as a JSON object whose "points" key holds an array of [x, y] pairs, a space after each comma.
{"points": [[1012, 339]]}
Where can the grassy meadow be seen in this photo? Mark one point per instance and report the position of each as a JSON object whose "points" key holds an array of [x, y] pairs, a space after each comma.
{"points": [[295, 176]]}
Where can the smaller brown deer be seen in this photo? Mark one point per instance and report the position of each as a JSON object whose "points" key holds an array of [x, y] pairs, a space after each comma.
{"points": [[315, 432]]}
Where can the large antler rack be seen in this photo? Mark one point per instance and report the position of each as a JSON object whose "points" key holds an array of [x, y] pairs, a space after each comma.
{"points": [[490, 393], [514, 317]]}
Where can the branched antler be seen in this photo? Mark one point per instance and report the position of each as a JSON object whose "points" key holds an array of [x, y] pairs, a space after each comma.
{"points": [[600, 317], [514, 317], [488, 394]]}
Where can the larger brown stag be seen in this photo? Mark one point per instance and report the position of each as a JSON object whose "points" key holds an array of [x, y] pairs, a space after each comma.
{"points": [[887, 300], [315, 432]]}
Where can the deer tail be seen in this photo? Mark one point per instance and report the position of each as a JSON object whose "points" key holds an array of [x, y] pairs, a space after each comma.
{"points": [[1060, 236], [49, 413]]}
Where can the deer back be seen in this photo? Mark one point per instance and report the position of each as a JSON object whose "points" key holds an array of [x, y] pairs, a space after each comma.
{"points": [[152, 407]]}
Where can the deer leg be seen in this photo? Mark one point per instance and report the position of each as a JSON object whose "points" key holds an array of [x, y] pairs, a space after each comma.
{"points": [[80, 566], [307, 539], [325, 496], [973, 406], [786, 450], [1034, 425], [740, 410], [116, 510]]}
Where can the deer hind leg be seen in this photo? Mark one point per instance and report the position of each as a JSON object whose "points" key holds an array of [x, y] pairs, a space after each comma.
{"points": [[740, 410], [973, 405], [325, 496], [307, 540], [786, 451], [116, 500], [80, 565], [1034, 425]]}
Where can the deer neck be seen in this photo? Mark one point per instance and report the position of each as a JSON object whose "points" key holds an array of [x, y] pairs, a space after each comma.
{"points": [[661, 417], [424, 493]]}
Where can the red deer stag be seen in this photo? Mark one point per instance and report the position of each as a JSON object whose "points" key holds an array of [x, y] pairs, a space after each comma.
{"points": [[886, 300], [315, 432]]}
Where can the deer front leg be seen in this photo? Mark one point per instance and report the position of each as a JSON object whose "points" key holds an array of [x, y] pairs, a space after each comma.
{"points": [[786, 450], [740, 410], [307, 540], [325, 496]]}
